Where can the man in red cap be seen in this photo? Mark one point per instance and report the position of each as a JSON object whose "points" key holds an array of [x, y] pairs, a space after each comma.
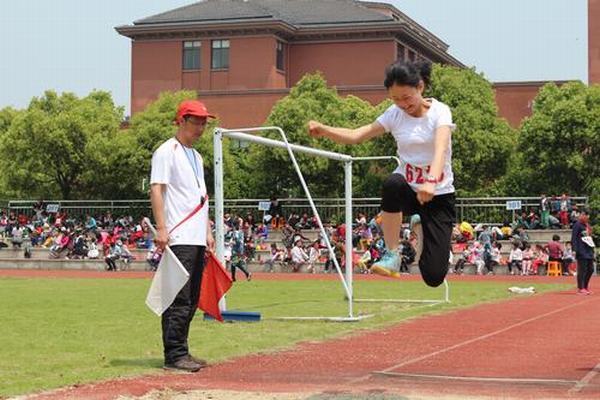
{"points": [[178, 195]]}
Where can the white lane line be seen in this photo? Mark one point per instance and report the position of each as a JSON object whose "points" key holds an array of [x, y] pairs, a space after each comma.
{"points": [[561, 382], [470, 341], [585, 381]]}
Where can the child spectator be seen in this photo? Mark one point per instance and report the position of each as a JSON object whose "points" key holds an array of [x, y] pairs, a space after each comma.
{"points": [[540, 257], [515, 259], [313, 257], [567, 259], [299, 256], [462, 260], [275, 256], [527, 259]]}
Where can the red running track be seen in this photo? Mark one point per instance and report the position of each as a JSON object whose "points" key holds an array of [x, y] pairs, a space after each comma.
{"points": [[535, 347]]}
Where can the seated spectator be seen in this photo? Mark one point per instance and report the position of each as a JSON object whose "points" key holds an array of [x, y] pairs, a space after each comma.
{"points": [[250, 221], [361, 219], [293, 220], [494, 259], [527, 259], [118, 252], [497, 233], [276, 255], [93, 252], [540, 257], [533, 220], [462, 260], [80, 248], [90, 224], [521, 222], [467, 231], [17, 236], [506, 230], [515, 259], [477, 257], [520, 235], [314, 254], [568, 258], [375, 224], [553, 221], [555, 249], [262, 232], [60, 244], [362, 263], [299, 256], [305, 222], [365, 237]]}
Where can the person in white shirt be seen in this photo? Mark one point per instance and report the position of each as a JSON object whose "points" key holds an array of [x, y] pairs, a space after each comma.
{"points": [[299, 256], [178, 195], [423, 183], [515, 258]]}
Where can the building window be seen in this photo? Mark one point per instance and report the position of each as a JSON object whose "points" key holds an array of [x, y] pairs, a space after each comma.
{"points": [[220, 54], [280, 56], [401, 53], [412, 56], [191, 55]]}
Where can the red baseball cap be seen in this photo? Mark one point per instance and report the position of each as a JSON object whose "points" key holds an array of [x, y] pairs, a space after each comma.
{"points": [[192, 107]]}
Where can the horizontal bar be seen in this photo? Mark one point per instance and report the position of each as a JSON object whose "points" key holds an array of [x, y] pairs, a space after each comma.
{"points": [[276, 143]]}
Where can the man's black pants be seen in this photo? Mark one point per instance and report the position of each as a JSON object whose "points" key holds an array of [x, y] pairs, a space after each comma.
{"points": [[177, 318]]}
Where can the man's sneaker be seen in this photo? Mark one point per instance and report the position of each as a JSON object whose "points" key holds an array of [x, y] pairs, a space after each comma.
{"points": [[389, 265], [183, 364], [583, 292], [198, 361]]}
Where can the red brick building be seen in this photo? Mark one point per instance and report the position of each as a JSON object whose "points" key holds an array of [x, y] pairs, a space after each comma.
{"points": [[243, 56], [515, 99]]}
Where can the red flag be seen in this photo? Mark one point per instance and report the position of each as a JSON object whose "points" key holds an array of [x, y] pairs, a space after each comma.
{"points": [[215, 283]]}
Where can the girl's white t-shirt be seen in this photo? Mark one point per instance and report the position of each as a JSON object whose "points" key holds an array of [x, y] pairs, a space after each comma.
{"points": [[172, 167], [415, 140]]}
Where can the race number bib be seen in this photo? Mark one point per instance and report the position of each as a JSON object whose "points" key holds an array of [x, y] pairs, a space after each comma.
{"points": [[417, 175]]}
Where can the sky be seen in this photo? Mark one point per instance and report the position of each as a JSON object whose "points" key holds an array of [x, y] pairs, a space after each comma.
{"points": [[71, 45]]}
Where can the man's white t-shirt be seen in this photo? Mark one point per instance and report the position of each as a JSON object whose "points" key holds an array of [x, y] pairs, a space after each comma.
{"points": [[172, 167], [415, 140]]}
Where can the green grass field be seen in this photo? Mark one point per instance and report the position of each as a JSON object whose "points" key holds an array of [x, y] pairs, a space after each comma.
{"points": [[57, 332]]}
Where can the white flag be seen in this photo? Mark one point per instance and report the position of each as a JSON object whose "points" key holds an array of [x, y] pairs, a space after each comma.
{"points": [[169, 279]]}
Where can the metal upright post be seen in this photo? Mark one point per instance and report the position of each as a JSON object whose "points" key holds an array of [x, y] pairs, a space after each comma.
{"points": [[349, 271], [219, 196]]}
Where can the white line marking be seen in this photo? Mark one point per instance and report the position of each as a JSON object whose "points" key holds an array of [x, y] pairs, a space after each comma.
{"points": [[476, 339], [579, 385], [478, 379]]}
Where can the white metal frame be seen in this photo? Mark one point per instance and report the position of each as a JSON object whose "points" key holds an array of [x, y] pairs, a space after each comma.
{"points": [[347, 280]]}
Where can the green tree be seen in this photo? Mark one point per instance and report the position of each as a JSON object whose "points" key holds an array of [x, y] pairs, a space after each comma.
{"points": [[559, 145], [7, 116], [52, 147], [269, 171], [151, 127], [482, 143]]}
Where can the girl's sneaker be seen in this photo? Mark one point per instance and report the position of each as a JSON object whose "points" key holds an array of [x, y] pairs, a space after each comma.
{"points": [[389, 265]]}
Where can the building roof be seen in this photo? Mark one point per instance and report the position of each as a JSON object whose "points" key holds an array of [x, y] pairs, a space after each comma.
{"points": [[297, 13], [292, 19]]}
